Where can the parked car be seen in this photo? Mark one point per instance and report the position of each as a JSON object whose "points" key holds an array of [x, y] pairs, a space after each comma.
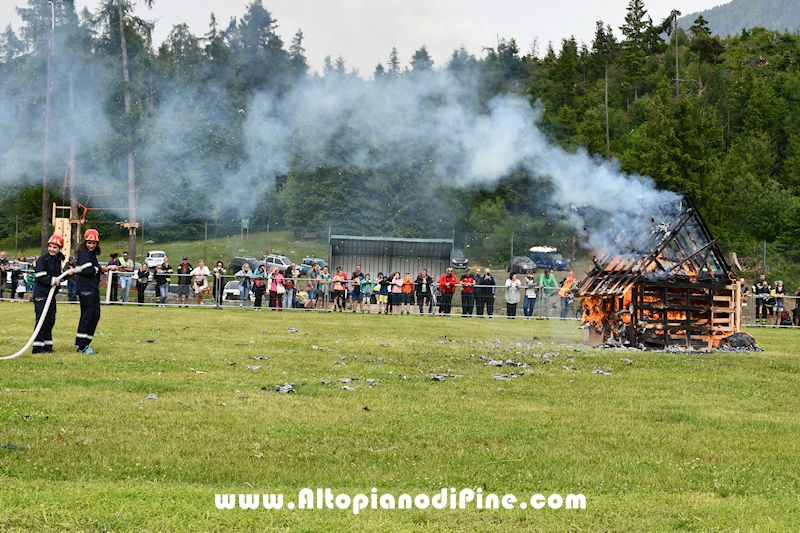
{"points": [[308, 261], [459, 259], [520, 265], [231, 292], [548, 257], [155, 258], [236, 264], [275, 260], [152, 291]]}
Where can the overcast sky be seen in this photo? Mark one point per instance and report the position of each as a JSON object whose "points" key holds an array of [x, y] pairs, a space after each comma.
{"points": [[363, 32]]}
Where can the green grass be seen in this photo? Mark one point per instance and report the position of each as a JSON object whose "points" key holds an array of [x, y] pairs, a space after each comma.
{"points": [[673, 442]]}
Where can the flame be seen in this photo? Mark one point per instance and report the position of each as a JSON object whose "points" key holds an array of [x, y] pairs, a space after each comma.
{"points": [[564, 292]]}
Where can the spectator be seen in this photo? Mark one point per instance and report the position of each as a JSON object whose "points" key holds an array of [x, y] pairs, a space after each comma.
{"points": [[796, 311], [447, 285], [324, 291], [338, 290], [200, 285], [4, 266], [48, 268], [126, 280], [260, 277], [290, 283], [405, 296], [312, 281], [512, 295], [30, 278], [762, 291], [311, 296], [549, 284], [355, 281], [366, 293], [163, 272], [486, 290], [356, 294], [18, 280], [245, 280], [72, 293], [566, 294], [276, 288], [383, 283], [397, 292], [423, 287], [530, 295], [184, 281], [113, 279], [779, 294], [467, 293], [218, 289], [142, 278]]}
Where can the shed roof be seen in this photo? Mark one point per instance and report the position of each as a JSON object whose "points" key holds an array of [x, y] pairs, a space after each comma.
{"points": [[669, 241]]}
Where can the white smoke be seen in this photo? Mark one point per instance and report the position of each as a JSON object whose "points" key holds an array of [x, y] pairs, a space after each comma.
{"points": [[433, 115]]}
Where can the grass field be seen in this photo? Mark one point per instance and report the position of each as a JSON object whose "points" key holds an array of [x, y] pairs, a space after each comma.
{"points": [[670, 442]]}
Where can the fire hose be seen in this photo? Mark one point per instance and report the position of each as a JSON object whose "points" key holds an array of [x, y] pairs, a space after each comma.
{"points": [[44, 311]]}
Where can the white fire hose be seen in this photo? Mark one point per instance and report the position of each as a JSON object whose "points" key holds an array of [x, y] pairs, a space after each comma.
{"points": [[44, 311]]}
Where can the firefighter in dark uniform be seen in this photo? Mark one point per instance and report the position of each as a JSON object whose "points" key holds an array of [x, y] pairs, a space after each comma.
{"points": [[88, 287], [47, 271]]}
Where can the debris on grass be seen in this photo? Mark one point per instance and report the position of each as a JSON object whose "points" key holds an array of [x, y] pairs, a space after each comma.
{"points": [[294, 330], [9, 446], [198, 371], [151, 396], [601, 371], [315, 347], [442, 377], [345, 387], [626, 360], [253, 367], [286, 388]]}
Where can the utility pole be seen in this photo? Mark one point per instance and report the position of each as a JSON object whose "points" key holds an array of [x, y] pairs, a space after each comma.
{"points": [[47, 105], [675, 14], [131, 162]]}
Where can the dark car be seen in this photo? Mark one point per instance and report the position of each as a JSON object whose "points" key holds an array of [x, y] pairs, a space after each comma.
{"points": [[236, 264], [548, 257], [310, 260], [520, 265], [459, 259]]}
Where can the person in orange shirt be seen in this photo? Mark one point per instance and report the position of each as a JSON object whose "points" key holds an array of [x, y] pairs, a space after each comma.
{"points": [[447, 285], [405, 299]]}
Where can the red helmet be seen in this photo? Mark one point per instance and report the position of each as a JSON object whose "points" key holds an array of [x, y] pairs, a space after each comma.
{"points": [[91, 235], [56, 239]]}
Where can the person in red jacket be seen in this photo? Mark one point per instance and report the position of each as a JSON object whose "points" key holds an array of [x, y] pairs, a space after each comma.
{"points": [[447, 285], [467, 296]]}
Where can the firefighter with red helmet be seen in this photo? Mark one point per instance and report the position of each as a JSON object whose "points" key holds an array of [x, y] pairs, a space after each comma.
{"points": [[88, 288], [47, 271]]}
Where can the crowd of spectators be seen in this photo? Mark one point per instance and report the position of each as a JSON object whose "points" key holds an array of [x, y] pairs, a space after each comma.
{"points": [[770, 302], [358, 291]]}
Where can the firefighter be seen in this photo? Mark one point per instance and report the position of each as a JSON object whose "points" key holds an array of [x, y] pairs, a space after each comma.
{"points": [[88, 286], [47, 271]]}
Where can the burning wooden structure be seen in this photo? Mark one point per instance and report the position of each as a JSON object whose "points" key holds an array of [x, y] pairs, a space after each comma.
{"points": [[666, 284]]}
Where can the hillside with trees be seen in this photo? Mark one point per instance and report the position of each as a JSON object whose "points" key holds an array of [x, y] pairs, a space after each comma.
{"points": [[737, 15], [231, 124]]}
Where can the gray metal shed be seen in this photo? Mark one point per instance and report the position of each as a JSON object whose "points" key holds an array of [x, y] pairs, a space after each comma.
{"points": [[385, 254]]}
